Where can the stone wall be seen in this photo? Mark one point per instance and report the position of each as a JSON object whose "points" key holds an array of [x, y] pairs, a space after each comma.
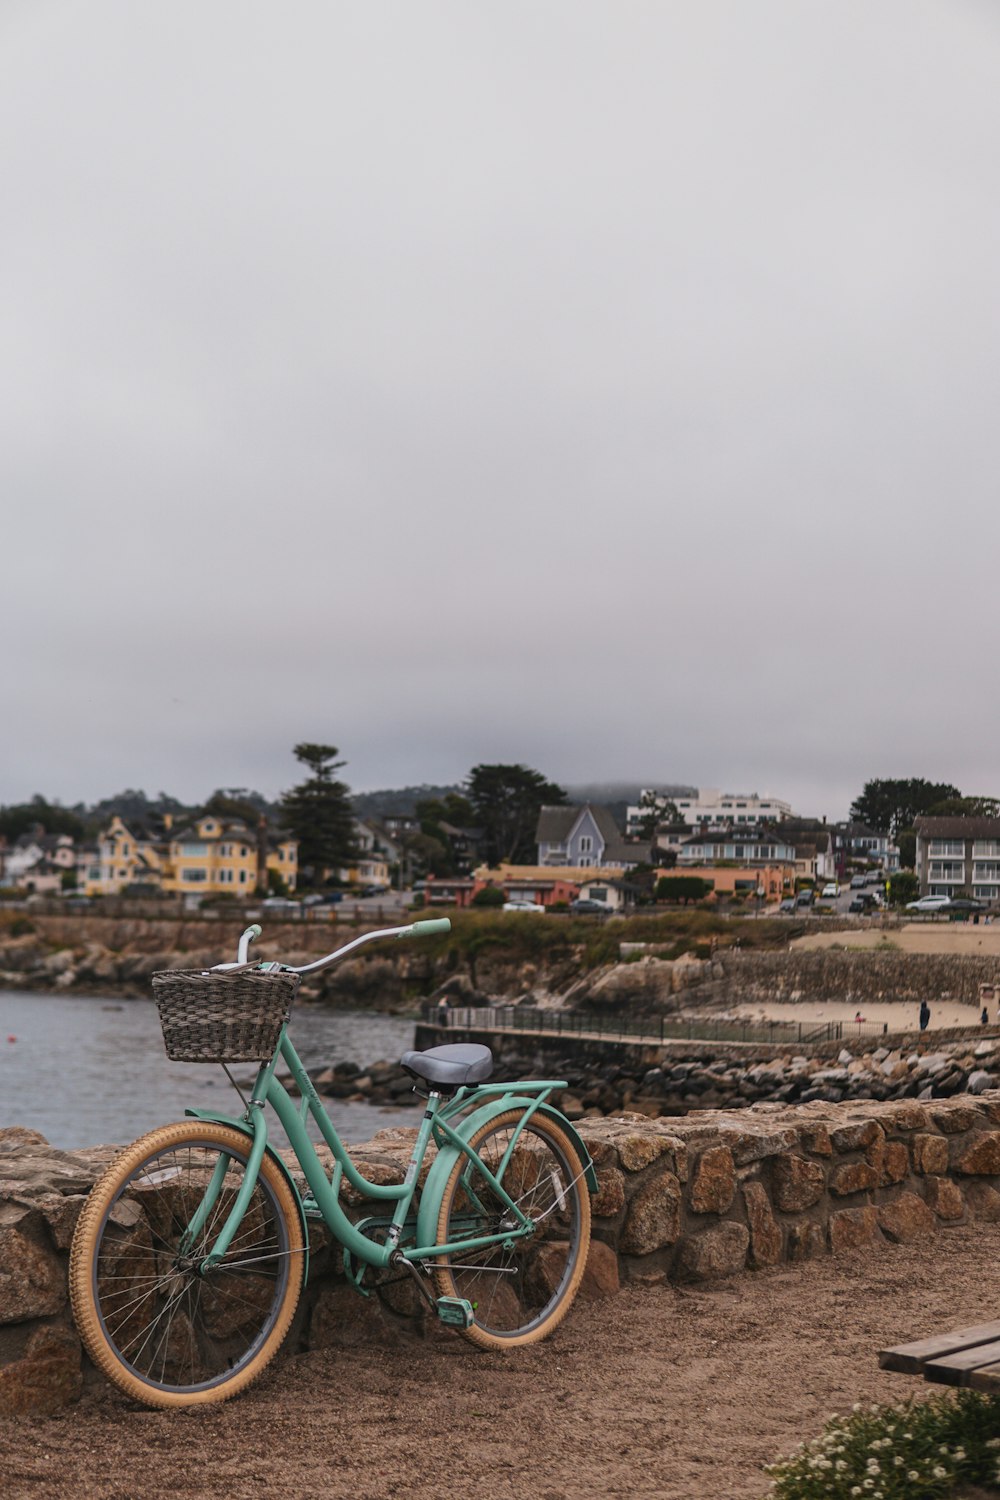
{"points": [[712, 1194], [857, 977]]}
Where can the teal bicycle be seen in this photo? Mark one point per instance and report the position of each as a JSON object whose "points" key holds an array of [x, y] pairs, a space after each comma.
{"points": [[191, 1252]]}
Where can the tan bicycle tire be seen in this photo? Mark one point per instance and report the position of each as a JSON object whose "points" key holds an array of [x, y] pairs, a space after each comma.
{"points": [[86, 1244], [442, 1274]]}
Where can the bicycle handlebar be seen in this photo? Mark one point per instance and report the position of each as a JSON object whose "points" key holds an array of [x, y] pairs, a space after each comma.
{"points": [[415, 929], [435, 924]]}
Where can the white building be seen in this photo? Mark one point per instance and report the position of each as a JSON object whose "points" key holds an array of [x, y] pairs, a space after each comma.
{"points": [[715, 809]]}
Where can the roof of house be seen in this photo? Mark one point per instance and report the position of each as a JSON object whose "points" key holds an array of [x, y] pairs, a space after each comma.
{"points": [[957, 828], [555, 824]]}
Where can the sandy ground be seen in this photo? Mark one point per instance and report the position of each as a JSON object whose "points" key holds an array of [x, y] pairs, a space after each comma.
{"points": [[918, 937], [675, 1393], [898, 1015]]}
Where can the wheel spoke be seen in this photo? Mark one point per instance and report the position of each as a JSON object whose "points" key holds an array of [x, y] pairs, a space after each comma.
{"points": [[520, 1287], [158, 1327]]}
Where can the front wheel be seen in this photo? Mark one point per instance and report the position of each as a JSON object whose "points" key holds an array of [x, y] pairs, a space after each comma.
{"points": [[521, 1292], [163, 1331]]}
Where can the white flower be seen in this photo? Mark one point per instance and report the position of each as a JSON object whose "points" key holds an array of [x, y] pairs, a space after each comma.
{"points": [[959, 1454], [912, 1474], [939, 1473]]}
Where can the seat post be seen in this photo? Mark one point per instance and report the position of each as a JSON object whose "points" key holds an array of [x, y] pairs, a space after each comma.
{"points": [[413, 1168]]}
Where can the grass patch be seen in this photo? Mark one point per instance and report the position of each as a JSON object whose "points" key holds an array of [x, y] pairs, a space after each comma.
{"points": [[15, 924], [590, 943], [920, 1450]]}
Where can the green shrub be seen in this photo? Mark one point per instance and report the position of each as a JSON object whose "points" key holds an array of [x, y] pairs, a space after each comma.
{"points": [[919, 1450], [491, 896], [682, 888]]}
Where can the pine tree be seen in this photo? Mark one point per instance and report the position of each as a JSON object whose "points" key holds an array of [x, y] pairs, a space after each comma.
{"points": [[318, 813]]}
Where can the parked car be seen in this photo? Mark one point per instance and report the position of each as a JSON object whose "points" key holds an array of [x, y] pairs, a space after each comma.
{"points": [[523, 906], [323, 898], [787, 907], [831, 889], [929, 903], [858, 882], [279, 903], [374, 890], [583, 907], [962, 903], [806, 897], [861, 903]]}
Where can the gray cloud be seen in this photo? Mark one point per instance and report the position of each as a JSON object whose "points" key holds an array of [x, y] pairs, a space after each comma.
{"points": [[607, 387]]}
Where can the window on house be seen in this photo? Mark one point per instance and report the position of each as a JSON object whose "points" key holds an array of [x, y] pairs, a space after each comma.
{"points": [[192, 877], [243, 877], [243, 851], [586, 843]]}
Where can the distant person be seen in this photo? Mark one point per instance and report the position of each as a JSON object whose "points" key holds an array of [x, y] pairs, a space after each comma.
{"points": [[984, 1017], [858, 1016], [925, 1015]]}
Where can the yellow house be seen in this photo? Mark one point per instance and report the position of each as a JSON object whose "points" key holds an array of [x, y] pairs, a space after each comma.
{"points": [[120, 861], [206, 857], [283, 858], [214, 855]]}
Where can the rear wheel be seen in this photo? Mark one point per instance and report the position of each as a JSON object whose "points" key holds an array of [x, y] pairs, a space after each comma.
{"points": [[518, 1294], [164, 1332]]}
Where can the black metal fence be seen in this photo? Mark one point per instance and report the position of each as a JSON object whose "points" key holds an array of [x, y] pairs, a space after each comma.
{"points": [[649, 1030]]}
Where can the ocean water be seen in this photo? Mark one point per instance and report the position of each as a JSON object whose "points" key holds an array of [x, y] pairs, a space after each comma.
{"points": [[87, 1071]]}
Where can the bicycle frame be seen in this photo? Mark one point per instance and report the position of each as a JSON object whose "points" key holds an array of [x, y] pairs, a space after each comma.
{"points": [[436, 1122], [472, 1106]]}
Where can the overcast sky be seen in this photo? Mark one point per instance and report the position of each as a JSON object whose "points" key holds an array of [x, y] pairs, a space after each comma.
{"points": [[613, 388]]}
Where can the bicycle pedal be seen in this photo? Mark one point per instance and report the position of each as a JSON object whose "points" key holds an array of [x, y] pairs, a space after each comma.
{"points": [[311, 1208], [455, 1311]]}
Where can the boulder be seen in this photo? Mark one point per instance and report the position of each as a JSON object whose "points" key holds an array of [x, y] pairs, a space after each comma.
{"points": [[47, 1376], [765, 1233], [719, 1251], [980, 1157], [32, 1278], [930, 1154], [851, 1228], [944, 1197], [713, 1185], [797, 1183], [906, 1219], [654, 1217]]}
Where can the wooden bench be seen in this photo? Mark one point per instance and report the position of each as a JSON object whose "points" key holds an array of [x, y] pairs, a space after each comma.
{"points": [[968, 1357]]}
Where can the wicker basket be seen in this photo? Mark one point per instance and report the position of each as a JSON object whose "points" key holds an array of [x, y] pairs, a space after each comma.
{"points": [[233, 1015]]}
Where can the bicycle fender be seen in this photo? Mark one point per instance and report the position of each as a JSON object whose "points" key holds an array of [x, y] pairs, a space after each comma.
{"points": [[236, 1123], [430, 1198]]}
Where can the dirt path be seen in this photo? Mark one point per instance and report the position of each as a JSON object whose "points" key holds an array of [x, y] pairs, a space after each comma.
{"points": [[674, 1393]]}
